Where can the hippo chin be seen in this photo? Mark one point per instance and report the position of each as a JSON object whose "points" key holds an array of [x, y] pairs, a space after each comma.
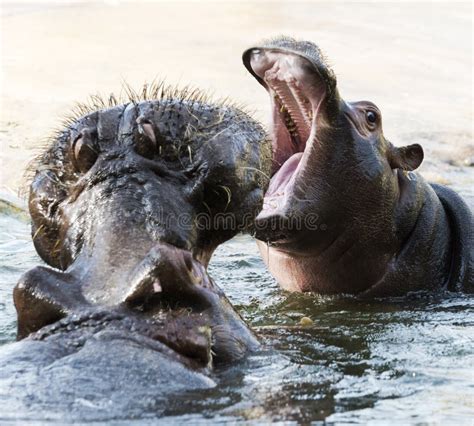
{"points": [[344, 212], [124, 205]]}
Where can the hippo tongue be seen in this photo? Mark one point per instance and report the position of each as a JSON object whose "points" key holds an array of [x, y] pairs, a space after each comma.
{"points": [[281, 179]]}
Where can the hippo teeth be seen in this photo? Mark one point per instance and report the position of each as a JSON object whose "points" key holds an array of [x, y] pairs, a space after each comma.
{"points": [[290, 123], [292, 120], [294, 104]]}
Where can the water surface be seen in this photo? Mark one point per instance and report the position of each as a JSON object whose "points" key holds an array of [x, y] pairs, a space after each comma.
{"points": [[407, 361]]}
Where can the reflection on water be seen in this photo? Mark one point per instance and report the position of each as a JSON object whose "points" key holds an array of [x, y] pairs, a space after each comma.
{"points": [[403, 360], [17, 255]]}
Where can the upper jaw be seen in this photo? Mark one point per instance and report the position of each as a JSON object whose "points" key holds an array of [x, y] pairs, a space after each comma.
{"points": [[303, 49]]}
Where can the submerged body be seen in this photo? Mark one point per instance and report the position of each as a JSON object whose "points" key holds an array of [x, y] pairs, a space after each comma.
{"points": [[344, 212], [123, 205]]}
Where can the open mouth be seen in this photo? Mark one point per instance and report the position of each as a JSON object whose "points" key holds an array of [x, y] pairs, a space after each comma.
{"points": [[296, 91]]}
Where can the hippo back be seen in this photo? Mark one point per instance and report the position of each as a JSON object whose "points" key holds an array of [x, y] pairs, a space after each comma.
{"points": [[461, 222]]}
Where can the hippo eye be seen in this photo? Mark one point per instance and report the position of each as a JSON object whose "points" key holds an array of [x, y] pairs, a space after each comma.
{"points": [[371, 117]]}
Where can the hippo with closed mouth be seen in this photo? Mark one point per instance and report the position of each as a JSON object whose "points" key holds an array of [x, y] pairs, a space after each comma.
{"points": [[126, 316], [344, 212]]}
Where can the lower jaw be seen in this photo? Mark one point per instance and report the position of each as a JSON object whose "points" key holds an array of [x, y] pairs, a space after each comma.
{"points": [[277, 199], [284, 176]]}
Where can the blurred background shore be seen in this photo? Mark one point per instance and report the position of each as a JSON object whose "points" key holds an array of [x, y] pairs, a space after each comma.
{"points": [[414, 60]]}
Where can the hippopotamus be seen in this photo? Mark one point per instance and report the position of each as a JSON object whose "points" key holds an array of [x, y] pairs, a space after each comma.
{"points": [[345, 211], [126, 205]]}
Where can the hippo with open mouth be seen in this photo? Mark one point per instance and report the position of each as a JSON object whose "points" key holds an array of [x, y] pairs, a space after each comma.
{"points": [[344, 212], [126, 204]]}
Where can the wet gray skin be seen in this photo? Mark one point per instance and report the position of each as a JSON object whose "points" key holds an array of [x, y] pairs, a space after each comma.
{"points": [[344, 212], [124, 204]]}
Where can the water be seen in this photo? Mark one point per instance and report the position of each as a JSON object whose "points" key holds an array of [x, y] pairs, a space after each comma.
{"points": [[403, 361]]}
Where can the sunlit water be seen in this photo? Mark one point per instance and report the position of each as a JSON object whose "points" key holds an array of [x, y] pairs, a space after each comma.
{"points": [[403, 361]]}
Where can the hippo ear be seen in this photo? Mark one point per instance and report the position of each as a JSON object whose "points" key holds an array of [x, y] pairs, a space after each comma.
{"points": [[406, 157], [84, 150], [146, 141]]}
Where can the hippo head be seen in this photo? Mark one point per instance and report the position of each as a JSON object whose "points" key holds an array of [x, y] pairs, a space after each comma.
{"points": [[129, 202], [334, 174], [337, 185], [177, 165]]}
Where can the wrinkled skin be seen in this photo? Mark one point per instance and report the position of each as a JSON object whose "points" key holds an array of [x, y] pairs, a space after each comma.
{"points": [[130, 317], [344, 212]]}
